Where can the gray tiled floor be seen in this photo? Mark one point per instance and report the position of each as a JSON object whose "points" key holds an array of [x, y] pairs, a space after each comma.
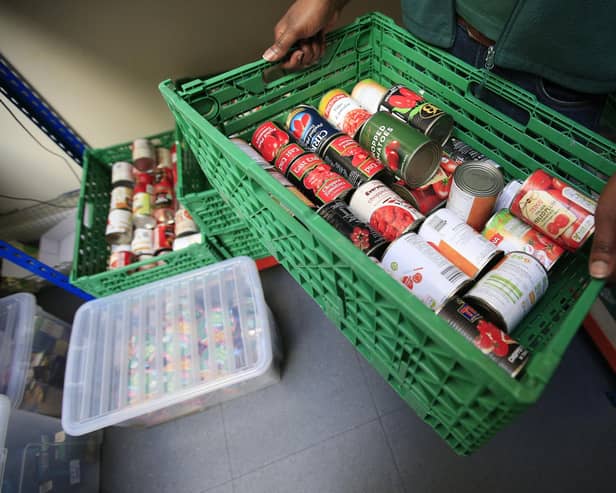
{"points": [[333, 425]]}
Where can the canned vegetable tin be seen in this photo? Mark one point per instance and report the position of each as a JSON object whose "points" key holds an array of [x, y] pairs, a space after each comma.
{"points": [[121, 198], [343, 112], [310, 128], [423, 270], [459, 243], [119, 259], [119, 227], [144, 158], [268, 139], [142, 206], [361, 234], [557, 210], [509, 291], [369, 94], [163, 238], [511, 234], [485, 336], [474, 190], [505, 199], [407, 152], [122, 174], [184, 223], [375, 204], [143, 242]]}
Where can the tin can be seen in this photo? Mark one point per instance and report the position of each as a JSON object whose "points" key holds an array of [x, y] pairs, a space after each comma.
{"points": [[361, 234], [142, 207], [253, 154], [162, 174], [119, 227], [316, 180], [149, 266], [374, 203], [474, 190], [507, 353], [424, 271], [459, 243], [143, 242], [352, 161], [268, 139], [369, 94], [143, 178], [505, 199], [144, 158], [122, 174], [343, 112], [557, 210], [509, 291], [164, 215], [186, 241], [310, 129], [163, 158], [184, 223], [433, 194], [407, 152], [460, 153], [121, 198], [163, 194], [280, 178], [163, 238], [119, 259], [287, 155], [510, 234]]}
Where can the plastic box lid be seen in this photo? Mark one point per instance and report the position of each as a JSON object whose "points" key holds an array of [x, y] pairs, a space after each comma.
{"points": [[17, 314], [164, 344]]}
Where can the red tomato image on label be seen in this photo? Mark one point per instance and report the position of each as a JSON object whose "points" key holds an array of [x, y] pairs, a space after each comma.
{"points": [[407, 281], [358, 156], [392, 156], [391, 221], [272, 143], [417, 277], [492, 339], [360, 238], [449, 165], [541, 180], [442, 187], [405, 99], [299, 125], [317, 176]]}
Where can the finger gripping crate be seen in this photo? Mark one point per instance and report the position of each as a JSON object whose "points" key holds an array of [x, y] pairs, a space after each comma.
{"points": [[458, 391]]}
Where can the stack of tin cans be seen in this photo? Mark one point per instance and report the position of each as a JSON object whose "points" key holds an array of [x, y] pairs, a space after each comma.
{"points": [[144, 220]]}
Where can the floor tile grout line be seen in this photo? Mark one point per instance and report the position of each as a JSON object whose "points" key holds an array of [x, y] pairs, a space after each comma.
{"points": [[218, 486], [224, 429], [391, 451]]}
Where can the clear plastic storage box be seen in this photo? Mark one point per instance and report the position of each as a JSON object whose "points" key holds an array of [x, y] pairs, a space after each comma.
{"points": [[156, 352], [33, 349]]}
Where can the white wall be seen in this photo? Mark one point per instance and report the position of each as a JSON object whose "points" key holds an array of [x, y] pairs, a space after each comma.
{"points": [[99, 64]]}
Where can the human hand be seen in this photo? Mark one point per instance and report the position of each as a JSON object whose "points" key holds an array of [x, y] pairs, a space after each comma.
{"points": [[305, 23], [603, 252]]}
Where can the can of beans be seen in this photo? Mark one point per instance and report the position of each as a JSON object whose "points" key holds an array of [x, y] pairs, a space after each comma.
{"points": [[121, 198], [163, 194], [144, 158], [142, 206], [474, 190], [557, 210], [120, 258], [459, 243], [508, 292], [164, 215], [361, 234], [510, 234], [460, 152], [310, 128], [122, 174], [268, 139], [143, 242], [119, 227], [376, 204], [407, 152], [485, 336], [352, 161], [163, 158], [163, 238], [369, 94], [424, 271], [505, 199], [343, 112], [184, 223]]}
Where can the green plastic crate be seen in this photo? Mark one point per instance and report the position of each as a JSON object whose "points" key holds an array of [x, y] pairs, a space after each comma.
{"points": [[91, 250], [462, 394]]}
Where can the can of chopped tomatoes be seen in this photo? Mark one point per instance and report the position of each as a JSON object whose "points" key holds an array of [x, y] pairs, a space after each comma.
{"points": [[406, 151], [163, 193], [163, 238], [508, 292], [310, 129], [424, 271], [362, 235], [376, 204], [459, 243], [120, 258], [184, 223], [287, 155], [343, 112], [556, 209], [143, 242], [119, 227], [164, 215], [507, 353], [268, 139]]}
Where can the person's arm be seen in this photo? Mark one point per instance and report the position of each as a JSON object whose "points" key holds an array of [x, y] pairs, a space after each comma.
{"points": [[603, 253], [305, 23]]}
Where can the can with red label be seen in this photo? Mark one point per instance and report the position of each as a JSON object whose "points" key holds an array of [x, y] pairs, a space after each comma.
{"points": [[287, 155], [476, 186], [459, 243], [343, 112], [362, 235], [280, 178], [507, 353], [143, 242], [556, 209], [164, 215], [424, 271], [184, 223], [121, 198], [143, 178], [433, 194], [163, 238], [142, 206], [120, 258], [316, 180], [310, 129], [511, 234], [252, 153], [376, 204], [119, 228], [122, 174], [163, 158], [508, 292], [407, 152], [268, 139], [144, 157], [163, 194]]}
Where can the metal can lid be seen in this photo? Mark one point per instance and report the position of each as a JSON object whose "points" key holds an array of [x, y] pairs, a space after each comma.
{"points": [[425, 164], [479, 178], [441, 129], [505, 199]]}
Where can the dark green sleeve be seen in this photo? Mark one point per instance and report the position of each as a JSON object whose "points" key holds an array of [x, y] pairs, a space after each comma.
{"points": [[431, 20]]}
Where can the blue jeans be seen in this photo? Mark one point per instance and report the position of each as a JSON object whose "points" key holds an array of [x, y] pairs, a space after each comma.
{"points": [[581, 107]]}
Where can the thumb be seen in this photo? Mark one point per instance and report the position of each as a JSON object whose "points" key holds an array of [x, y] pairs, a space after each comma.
{"points": [[284, 40], [603, 252]]}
